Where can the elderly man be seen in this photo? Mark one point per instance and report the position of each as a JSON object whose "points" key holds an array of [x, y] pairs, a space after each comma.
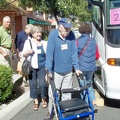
{"points": [[5, 42], [61, 55], [20, 39]]}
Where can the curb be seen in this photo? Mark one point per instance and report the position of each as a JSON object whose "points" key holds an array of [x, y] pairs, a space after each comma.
{"points": [[15, 107], [16, 77]]}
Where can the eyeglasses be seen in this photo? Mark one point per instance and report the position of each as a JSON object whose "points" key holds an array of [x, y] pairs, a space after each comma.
{"points": [[38, 35]]}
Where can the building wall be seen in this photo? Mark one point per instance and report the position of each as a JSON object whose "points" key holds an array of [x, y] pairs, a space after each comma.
{"points": [[24, 21], [18, 24]]}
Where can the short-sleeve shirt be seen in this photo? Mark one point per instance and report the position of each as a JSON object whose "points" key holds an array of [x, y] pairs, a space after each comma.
{"points": [[5, 37]]}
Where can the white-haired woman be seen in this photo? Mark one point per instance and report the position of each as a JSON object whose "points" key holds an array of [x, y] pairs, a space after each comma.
{"points": [[37, 56]]}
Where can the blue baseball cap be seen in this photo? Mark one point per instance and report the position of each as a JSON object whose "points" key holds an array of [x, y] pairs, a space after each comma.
{"points": [[66, 22]]}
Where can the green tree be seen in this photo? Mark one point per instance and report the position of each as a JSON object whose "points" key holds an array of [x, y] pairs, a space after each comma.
{"points": [[3, 3], [75, 9], [62, 8]]}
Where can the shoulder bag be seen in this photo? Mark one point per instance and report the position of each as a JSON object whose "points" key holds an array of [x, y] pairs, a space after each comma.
{"points": [[26, 66]]}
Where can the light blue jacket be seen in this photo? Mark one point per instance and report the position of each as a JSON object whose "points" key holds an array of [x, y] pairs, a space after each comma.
{"points": [[58, 60], [87, 61]]}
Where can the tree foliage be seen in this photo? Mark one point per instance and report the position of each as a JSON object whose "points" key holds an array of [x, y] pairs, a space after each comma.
{"points": [[75, 9], [3, 3], [62, 8]]}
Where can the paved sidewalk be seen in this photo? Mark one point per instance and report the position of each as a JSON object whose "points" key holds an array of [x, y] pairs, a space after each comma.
{"points": [[21, 109]]}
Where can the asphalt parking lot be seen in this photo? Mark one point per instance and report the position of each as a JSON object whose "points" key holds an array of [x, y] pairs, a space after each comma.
{"points": [[110, 111]]}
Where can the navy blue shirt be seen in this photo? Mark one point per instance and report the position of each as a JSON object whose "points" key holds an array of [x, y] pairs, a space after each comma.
{"points": [[20, 40], [41, 57]]}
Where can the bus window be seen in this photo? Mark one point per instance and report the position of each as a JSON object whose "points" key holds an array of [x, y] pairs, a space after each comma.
{"points": [[98, 19], [113, 36], [114, 4], [112, 12], [96, 15]]}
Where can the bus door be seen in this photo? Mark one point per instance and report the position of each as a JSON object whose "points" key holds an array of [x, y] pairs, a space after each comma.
{"points": [[98, 34]]}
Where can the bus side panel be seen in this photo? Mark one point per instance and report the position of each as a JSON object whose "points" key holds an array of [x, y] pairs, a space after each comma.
{"points": [[107, 78], [112, 74]]}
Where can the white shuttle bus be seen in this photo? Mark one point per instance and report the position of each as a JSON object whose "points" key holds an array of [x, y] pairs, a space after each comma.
{"points": [[106, 31]]}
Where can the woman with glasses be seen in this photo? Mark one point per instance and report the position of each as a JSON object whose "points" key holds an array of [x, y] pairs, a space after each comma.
{"points": [[37, 56]]}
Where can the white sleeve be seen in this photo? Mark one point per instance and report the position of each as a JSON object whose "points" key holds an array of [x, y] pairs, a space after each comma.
{"points": [[25, 47]]}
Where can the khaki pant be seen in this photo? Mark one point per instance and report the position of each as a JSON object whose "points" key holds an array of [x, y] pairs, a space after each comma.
{"points": [[61, 82], [6, 60]]}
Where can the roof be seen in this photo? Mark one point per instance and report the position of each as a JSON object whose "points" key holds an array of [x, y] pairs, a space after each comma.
{"points": [[13, 6]]}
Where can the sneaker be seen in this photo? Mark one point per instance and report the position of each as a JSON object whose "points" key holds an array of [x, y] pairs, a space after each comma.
{"points": [[95, 108]]}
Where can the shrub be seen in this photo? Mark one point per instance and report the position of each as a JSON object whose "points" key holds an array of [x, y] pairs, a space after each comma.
{"points": [[6, 84]]}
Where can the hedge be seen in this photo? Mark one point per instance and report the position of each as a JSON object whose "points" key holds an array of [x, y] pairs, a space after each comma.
{"points": [[6, 84]]}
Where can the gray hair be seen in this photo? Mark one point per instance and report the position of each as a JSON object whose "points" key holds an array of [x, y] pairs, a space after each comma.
{"points": [[36, 29], [28, 26], [6, 18]]}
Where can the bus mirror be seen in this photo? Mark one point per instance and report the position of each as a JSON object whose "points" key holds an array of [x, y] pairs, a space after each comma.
{"points": [[97, 3], [89, 7]]}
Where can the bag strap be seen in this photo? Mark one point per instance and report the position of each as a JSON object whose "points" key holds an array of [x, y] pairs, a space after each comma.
{"points": [[84, 48], [31, 48], [77, 42], [30, 43]]}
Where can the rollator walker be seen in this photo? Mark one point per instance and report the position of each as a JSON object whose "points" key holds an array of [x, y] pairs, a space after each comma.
{"points": [[73, 109]]}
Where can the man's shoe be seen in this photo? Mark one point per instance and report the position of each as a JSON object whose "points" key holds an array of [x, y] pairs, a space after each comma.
{"points": [[95, 108]]}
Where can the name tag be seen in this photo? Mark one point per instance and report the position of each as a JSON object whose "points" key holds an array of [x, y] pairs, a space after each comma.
{"points": [[64, 47], [39, 51]]}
